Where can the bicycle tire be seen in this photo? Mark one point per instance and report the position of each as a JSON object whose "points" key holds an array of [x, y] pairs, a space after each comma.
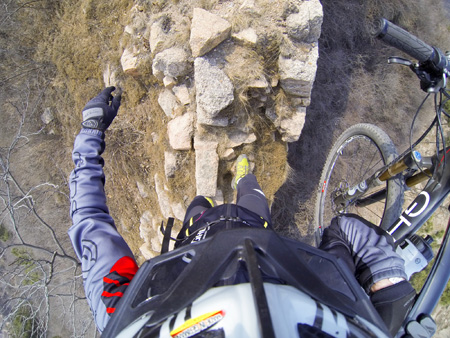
{"points": [[369, 148]]}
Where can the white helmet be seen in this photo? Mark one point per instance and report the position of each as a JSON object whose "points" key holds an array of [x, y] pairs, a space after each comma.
{"points": [[244, 283]]}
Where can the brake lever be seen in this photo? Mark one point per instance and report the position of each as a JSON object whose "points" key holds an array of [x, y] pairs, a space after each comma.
{"points": [[400, 61]]}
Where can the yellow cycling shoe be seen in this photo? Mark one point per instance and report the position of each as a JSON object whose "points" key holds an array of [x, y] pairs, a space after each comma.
{"points": [[242, 169]]}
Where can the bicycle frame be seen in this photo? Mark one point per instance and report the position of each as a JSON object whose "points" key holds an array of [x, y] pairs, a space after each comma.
{"points": [[435, 283], [424, 205], [417, 213]]}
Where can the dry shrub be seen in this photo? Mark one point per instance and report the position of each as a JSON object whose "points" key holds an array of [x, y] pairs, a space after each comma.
{"points": [[268, 47], [85, 37], [244, 65]]}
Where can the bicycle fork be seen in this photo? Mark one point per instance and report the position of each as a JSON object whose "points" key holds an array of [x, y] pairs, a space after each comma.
{"points": [[354, 194]]}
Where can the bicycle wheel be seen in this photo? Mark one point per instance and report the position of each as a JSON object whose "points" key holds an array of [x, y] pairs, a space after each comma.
{"points": [[357, 154]]}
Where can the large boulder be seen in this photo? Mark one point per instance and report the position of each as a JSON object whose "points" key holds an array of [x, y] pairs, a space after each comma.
{"points": [[291, 127], [306, 25], [213, 87], [207, 31], [297, 73]]}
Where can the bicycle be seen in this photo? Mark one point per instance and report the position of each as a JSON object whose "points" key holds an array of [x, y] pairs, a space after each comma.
{"points": [[364, 174]]}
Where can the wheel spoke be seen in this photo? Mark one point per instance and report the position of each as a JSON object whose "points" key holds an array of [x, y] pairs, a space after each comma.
{"points": [[357, 155]]}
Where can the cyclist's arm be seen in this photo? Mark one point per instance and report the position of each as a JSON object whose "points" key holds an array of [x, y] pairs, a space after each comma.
{"points": [[368, 252], [107, 262]]}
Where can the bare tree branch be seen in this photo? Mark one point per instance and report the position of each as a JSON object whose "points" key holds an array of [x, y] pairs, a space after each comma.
{"points": [[37, 274]]}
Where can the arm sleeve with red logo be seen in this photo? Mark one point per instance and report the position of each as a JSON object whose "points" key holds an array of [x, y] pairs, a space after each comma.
{"points": [[107, 263]]}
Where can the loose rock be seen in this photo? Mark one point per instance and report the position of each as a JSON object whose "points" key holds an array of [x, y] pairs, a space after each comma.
{"points": [[203, 118], [169, 82], [170, 164], [171, 62], [247, 37], [180, 131], [182, 93], [179, 211], [47, 116], [207, 31], [146, 252], [168, 102], [236, 139], [228, 154], [142, 189], [163, 198], [206, 167], [129, 61], [159, 33]]}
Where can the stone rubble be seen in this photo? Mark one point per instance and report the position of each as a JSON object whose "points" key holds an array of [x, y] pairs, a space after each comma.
{"points": [[296, 74], [47, 116], [182, 94], [150, 234], [200, 95]]}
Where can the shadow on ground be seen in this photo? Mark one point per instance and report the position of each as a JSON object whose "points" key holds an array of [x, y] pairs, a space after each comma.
{"points": [[342, 42]]}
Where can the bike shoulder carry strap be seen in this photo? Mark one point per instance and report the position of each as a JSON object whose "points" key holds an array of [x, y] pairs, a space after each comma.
{"points": [[167, 232]]}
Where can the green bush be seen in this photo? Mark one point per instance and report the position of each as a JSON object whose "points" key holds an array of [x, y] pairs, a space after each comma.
{"points": [[445, 299], [4, 233], [419, 279], [24, 324], [26, 260]]}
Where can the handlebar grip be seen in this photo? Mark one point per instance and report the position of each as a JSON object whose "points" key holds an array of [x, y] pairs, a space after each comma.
{"points": [[399, 38]]}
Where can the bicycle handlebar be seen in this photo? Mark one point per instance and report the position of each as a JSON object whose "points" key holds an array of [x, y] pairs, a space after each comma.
{"points": [[406, 42], [399, 38]]}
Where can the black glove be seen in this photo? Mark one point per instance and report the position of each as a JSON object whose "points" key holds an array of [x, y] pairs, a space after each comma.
{"points": [[101, 110]]}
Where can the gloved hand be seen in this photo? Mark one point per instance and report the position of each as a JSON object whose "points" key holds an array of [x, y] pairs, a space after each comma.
{"points": [[101, 110]]}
